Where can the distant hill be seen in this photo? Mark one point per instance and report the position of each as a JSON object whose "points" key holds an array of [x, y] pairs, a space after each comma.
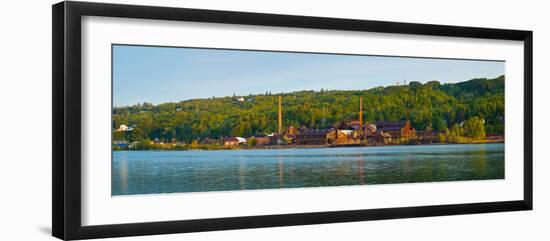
{"points": [[475, 87], [430, 104]]}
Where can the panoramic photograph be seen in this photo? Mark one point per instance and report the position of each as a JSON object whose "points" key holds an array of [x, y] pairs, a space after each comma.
{"points": [[202, 119]]}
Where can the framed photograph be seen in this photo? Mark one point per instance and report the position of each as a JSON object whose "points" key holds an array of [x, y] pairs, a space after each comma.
{"points": [[169, 120]]}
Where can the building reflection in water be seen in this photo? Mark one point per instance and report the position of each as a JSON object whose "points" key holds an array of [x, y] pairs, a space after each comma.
{"points": [[407, 168], [361, 170], [242, 173], [123, 173], [480, 163], [280, 166]]}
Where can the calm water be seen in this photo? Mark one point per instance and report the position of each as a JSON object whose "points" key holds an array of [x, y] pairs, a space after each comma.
{"points": [[142, 172]]}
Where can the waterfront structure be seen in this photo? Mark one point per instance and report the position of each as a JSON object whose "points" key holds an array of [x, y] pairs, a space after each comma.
{"points": [[381, 137], [350, 132], [209, 141], [121, 144], [369, 130], [397, 129], [290, 134], [429, 136], [241, 140], [316, 137], [291, 131], [230, 141], [262, 140], [346, 137]]}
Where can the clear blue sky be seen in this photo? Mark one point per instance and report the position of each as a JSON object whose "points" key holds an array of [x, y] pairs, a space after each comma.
{"points": [[163, 74]]}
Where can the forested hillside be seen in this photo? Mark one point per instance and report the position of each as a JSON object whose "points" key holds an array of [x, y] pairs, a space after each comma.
{"points": [[432, 104]]}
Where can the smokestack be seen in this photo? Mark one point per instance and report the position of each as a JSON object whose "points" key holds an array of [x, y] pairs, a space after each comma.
{"points": [[280, 116], [360, 115]]}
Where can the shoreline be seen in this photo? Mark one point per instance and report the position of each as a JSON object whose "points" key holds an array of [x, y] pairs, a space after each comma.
{"points": [[278, 147]]}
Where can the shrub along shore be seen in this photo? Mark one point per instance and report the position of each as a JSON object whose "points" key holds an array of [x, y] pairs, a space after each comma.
{"points": [[146, 146]]}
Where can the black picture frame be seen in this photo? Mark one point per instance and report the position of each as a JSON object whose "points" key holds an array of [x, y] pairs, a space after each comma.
{"points": [[66, 158]]}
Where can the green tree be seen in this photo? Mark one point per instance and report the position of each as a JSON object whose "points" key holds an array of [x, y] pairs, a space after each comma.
{"points": [[455, 134], [252, 142], [136, 134], [439, 124], [474, 128], [119, 136], [194, 144], [434, 84], [415, 85]]}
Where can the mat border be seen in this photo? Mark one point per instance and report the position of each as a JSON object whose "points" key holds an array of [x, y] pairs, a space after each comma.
{"points": [[66, 119]]}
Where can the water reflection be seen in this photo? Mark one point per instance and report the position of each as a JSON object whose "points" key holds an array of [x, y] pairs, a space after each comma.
{"points": [[281, 172], [361, 171], [123, 173], [480, 163], [242, 174], [139, 172]]}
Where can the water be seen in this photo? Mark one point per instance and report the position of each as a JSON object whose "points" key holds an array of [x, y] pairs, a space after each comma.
{"points": [[144, 172]]}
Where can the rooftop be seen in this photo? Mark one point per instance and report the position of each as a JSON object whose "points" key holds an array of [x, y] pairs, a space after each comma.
{"points": [[315, 132], [390, 125]]}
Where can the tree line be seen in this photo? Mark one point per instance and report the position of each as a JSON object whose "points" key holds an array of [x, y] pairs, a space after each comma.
{"points": [[429, 106]]}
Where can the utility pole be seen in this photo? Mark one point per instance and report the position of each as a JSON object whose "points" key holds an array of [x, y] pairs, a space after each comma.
{"points": [[280, 121], [360, 115]]}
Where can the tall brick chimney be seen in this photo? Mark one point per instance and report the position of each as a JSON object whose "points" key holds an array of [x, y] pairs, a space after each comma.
{"points": [[360, 115], [280, 119]]}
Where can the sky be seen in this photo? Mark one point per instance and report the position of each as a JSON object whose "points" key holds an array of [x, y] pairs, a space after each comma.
{"points": [[168, 74]]}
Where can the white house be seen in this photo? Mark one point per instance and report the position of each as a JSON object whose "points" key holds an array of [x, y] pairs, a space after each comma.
{"points": [[125, 128], [241, 140]]}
